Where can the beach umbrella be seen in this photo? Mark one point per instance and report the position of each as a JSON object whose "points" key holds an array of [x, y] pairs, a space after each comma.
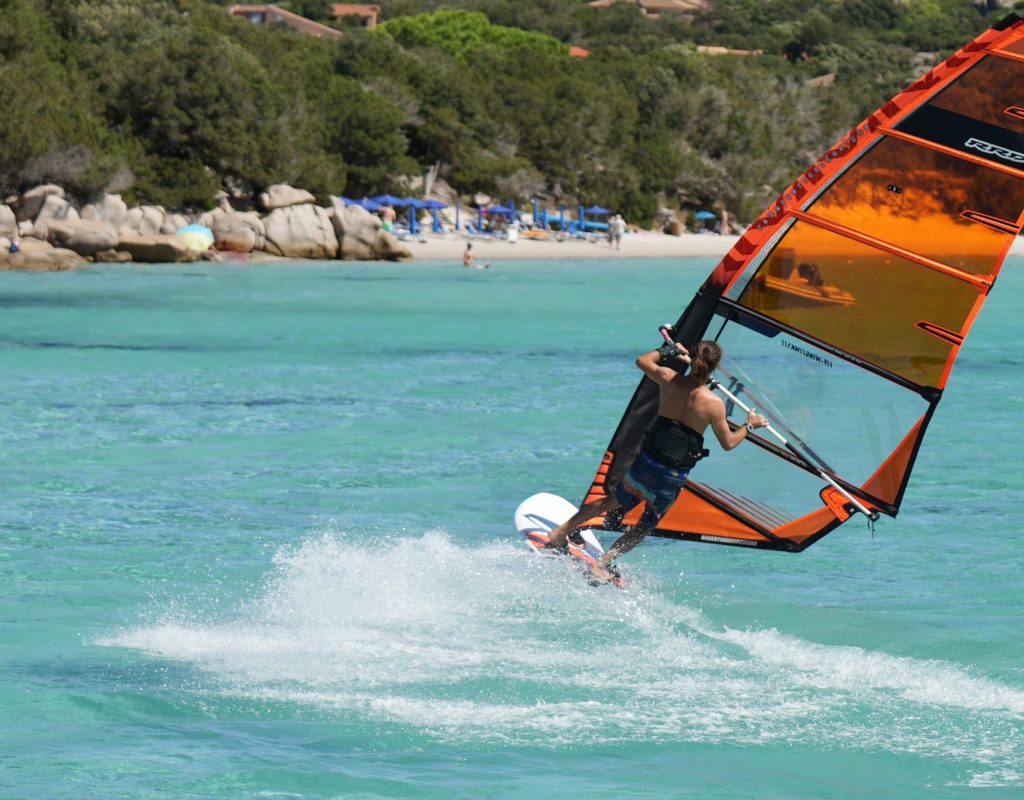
{"points": [[197, 237], [388, 200], [503, 210], [369, 205], [705, 215], [597, 210], [432, 206]]}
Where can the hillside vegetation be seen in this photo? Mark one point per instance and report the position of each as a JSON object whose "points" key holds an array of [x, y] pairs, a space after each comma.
{"points": [[169, 101]]}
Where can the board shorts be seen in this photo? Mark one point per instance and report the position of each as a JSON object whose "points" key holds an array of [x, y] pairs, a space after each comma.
{"points": [[649, 482]]}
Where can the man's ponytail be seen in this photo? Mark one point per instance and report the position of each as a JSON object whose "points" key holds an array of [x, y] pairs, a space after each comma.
{"points": [[705, 361]]}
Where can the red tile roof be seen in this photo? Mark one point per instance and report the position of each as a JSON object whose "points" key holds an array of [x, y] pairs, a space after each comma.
{"points": [[369, 12], [269, 14]]}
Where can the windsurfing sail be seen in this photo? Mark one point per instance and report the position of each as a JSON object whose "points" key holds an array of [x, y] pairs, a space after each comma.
{"points": [[842, 309]]}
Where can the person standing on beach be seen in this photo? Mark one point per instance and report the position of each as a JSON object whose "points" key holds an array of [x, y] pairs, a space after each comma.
{"points": [[387, 216], [672, 447], [616, 228]]}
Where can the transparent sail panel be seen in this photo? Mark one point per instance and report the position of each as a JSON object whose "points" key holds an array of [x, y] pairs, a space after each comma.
{"points": [[758, 485], [930, 203], [985, 91], [976, 114], [878, 307], [841, 417]]}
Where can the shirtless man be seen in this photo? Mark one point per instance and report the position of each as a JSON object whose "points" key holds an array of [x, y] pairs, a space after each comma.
{"points": [[673, 445]]}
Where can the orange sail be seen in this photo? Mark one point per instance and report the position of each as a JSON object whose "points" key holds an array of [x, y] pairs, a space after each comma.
{"points": [[842, 309]]}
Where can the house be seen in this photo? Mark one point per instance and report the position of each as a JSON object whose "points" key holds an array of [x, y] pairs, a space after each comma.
{"points": [[715, 50], [370, 14], [272, 15], [655, 8]]}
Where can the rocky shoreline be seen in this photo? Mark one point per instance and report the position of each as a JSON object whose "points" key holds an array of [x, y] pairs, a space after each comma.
{"points": [[51, 233]]}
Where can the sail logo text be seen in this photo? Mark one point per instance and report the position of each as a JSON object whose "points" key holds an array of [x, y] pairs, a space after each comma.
{"points": [[807, 354], [1004, 153]]}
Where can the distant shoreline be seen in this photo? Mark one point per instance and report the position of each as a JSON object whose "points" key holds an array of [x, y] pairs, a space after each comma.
{"points": [[634, 245]]}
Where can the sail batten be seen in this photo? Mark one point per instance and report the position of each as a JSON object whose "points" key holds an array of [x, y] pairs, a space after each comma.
{"points": [[952, 152], [842, 310], [980, 282], [808, 339]]}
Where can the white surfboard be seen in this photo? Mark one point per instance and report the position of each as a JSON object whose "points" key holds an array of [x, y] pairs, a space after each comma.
{"points": [[541, 513]]}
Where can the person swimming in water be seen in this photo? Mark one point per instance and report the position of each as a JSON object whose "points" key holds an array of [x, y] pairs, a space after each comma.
{"points": [[672, 447]]}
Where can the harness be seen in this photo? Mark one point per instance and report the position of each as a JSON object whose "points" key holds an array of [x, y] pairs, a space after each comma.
{"points": [[673, 444]]}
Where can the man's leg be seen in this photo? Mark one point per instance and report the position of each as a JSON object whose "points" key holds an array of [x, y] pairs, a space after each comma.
{"points": [[558, 537], [625, 543]]}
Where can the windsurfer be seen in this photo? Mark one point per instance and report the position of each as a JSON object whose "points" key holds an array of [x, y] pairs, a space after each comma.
{"points": [[673, 445]]}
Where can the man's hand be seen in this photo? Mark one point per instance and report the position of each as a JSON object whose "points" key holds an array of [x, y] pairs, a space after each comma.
{"points": [[755, 420], [674, 350]]}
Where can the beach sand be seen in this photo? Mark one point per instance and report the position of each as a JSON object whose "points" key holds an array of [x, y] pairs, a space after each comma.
{"points": [[634, 245]]}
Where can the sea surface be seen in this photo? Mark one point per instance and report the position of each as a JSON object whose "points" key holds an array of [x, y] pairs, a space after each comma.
{"points": [[256, 542]]}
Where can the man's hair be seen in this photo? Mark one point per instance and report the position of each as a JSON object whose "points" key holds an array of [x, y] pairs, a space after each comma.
{"points": [[706, 359]]}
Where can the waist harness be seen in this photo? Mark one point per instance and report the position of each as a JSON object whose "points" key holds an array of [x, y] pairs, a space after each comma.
{"points": [[673, 444]]}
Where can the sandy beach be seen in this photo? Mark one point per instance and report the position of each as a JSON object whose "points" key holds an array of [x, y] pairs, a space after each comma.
{"points": [[634, 245]]}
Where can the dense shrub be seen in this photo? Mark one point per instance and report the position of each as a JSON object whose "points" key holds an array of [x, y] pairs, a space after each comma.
{"points": [[172, 100]]}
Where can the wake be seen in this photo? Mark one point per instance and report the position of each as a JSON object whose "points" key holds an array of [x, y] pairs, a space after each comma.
{"points": [[498, 645]]}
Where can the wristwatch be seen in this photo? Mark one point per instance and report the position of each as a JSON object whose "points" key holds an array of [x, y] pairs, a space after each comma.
{"points": [[749, 427]]}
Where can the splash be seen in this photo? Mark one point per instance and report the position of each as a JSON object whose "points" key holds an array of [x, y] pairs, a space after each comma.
{"points": [[494, 645]]}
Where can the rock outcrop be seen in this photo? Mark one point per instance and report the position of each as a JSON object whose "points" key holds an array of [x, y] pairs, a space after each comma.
{"points": [[110, 208], [32, 201], [281, 195], [301, 231], [156, 248], [362, 237], [238, 232], [8, 222], [55, 235], [85, 237], [389, 248], [38, 256], [356, 229]]}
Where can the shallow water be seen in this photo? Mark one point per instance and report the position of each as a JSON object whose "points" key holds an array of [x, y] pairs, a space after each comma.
{"points": [[257, 542]]}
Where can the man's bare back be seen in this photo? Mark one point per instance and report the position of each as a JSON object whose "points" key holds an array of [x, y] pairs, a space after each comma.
{"points": [[687, 399]]}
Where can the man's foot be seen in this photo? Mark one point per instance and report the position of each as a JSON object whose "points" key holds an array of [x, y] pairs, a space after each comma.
{"points": [[558, 544], [562, 549], [600, 573]]}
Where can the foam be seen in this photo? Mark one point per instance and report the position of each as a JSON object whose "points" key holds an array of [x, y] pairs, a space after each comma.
{"points": [[496, 645]]}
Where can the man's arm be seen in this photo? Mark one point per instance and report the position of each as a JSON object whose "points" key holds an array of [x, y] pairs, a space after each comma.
{"points": [[650, 364], [727, 437]]}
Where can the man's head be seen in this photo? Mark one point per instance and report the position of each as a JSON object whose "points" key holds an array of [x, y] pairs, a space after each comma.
{"points": [[705, 359]]}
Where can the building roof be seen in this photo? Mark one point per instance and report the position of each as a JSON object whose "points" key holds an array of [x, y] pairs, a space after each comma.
{"points": [[368, 11], [270, 14], [715, 50], [657, 6]]}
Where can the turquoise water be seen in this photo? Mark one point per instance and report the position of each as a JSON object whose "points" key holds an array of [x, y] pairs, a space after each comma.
{"points": [[257, 543]]}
